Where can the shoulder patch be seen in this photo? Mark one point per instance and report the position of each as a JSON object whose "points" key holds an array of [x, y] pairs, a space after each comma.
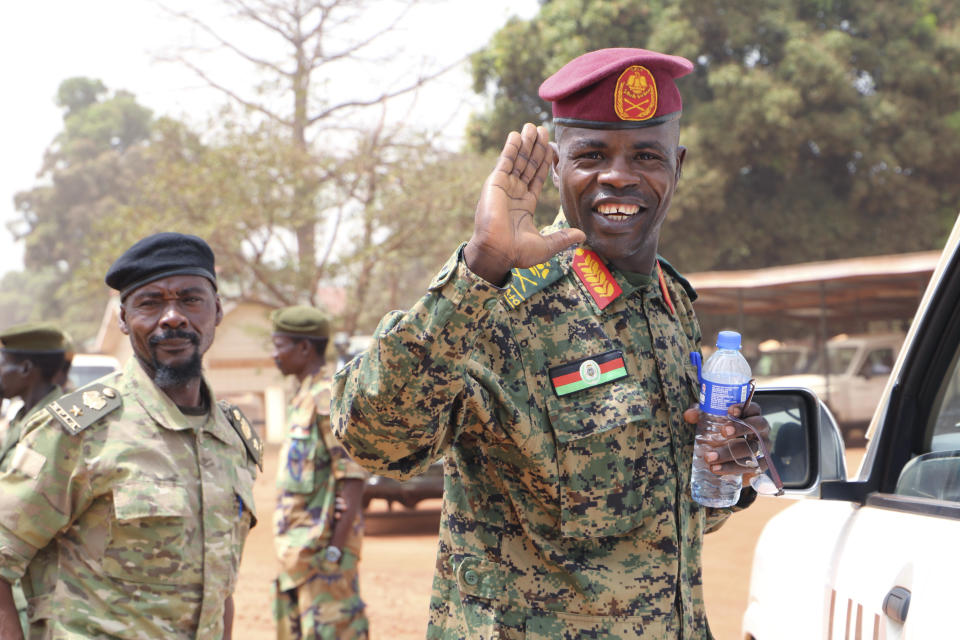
{"points": [[523, 283], [78, 410], [247, 433], [666, 266]]}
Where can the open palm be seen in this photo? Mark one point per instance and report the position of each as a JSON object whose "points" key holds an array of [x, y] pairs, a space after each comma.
{"points": [[505, 235]]}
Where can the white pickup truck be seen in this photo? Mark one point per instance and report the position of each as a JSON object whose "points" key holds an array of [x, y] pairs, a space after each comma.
{"points": [[853, 380], [874, 556]]}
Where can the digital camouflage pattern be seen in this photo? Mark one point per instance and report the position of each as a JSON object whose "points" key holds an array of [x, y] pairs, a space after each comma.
{"points": [[134, 526], [563, 516], [313, 595]]}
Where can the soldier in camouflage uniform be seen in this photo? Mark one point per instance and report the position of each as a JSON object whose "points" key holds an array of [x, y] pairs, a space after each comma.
{"points": [[126, 504], [318, 524], [32, 359], [552, 372]]}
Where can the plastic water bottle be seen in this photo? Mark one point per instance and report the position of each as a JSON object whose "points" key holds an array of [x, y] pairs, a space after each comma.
{"points": [[724, 380]]}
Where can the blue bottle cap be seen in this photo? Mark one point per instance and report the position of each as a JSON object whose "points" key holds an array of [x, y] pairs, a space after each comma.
{"points": [[728, 340]]}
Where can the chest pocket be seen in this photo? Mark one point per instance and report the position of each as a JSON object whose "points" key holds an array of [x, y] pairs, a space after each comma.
{"points": [[302, 460], [606, 461], [148, 534]]}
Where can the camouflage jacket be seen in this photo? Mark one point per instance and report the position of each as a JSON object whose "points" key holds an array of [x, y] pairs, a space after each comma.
{"points": [[565, 514], [11, 435], [122, 519], [309, 466]]}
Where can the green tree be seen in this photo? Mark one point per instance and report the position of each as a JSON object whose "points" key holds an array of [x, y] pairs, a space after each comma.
{"points": [[816, 129], [92, 165]]}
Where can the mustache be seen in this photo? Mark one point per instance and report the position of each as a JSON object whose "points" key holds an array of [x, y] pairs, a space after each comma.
{"points": [[174, 334]]}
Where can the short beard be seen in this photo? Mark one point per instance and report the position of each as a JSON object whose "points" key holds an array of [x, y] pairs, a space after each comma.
{"points": [[171, 377], [168, 377]]}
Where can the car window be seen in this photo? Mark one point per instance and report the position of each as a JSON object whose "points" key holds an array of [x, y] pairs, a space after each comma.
{"points": [[935, 473], [879, 362], [839, 359]]}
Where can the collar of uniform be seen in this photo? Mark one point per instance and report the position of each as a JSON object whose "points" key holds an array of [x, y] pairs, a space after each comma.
{"points": [[163, 410], [311, 388]]}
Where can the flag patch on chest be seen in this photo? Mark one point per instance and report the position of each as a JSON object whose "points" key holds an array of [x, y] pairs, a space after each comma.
{"points": [[588, 372]]}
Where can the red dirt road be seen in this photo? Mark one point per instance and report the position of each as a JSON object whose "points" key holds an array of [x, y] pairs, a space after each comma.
{"points": [[399, 553]]}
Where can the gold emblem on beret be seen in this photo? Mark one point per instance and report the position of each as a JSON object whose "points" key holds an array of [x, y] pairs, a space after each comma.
{"points": [[94, 399], [635, 97]]}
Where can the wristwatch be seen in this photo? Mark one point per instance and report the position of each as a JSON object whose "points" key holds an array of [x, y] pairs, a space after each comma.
{"points": [[332, 554]]}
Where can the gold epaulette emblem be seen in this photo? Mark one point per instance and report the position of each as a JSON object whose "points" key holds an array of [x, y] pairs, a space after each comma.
{"points": [[524, 283], [98, 400], [251, 440], [595, 276]]}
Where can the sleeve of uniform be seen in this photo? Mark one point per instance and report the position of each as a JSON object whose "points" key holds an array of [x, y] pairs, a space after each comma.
{"points": [[40, 491], [396, 406]]}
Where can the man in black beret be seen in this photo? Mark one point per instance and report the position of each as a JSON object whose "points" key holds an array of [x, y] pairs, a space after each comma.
{"points": [[146, 461], [318, 524]]}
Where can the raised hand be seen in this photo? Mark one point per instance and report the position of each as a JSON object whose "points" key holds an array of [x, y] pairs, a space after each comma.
{"points": [[504, 233]]}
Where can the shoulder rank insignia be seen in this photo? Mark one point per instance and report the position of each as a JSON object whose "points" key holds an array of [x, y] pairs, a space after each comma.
{"points": [[588, 372], [78, 410], [523, 283], [247, 433], [595, 277]]}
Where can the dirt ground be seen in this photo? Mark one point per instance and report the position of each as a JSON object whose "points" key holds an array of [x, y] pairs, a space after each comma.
{"points": [[398, 558]]}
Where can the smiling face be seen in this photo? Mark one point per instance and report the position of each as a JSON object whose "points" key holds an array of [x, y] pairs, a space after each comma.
{"points": [[616, 186], [171, 324]]}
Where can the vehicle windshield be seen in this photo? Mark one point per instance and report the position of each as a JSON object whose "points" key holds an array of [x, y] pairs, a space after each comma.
{"points": [[780, 363], [839, 359]]}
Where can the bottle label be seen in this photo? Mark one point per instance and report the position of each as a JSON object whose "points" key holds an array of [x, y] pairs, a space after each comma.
{"points": [[716, 397]]}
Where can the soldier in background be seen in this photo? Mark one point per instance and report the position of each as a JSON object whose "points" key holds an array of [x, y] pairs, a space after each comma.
{"points": [[555, 381], [32, 355], [126, 503], [32, 358], [318, 523]]}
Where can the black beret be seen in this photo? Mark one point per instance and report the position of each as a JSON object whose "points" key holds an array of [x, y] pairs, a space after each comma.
{"points": [[160, 256], [301, 321], [33, 337]]}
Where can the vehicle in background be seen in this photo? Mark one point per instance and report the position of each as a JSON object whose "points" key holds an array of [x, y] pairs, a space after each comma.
{"points": [[775, 359], [851, 382], [874, 556], [87, 367]]}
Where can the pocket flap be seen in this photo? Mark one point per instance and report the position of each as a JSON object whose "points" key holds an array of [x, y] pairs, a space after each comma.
{"points": [[133, 500]]}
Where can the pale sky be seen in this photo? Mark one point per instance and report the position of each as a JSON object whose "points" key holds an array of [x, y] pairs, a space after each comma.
{"points": [[43, 42]]}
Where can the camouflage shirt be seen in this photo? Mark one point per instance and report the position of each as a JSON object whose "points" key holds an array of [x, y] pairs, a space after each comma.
{"points": [[131, 526], [310, 464], [11, 434], [565, 515]]}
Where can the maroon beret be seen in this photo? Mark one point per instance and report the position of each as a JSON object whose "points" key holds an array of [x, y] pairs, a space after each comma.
{"points": [[616, 88]]}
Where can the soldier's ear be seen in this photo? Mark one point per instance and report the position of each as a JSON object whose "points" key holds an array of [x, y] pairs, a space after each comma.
{"points": [[553, 164], [219, 312], [122, 320]]}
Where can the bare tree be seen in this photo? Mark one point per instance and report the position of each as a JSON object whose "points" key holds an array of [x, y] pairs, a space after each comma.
{"points": [[304, 91]]}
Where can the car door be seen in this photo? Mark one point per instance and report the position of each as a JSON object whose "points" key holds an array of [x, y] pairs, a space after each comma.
{"points": [[895, 566]]}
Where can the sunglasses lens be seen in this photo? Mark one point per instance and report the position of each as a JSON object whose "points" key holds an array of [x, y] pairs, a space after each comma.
{"points": [[763, 485]]}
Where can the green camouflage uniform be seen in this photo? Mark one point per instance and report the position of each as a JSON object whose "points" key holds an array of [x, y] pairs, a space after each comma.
{"points": [[564, 516], [314, 599], [11, 435], [124, 520]]}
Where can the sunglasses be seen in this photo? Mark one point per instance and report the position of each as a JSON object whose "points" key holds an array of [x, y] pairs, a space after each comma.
{"points": [[767, 483]]}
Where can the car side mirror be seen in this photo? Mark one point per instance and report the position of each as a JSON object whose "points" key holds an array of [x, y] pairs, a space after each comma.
{"points": [[807, 446]]}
